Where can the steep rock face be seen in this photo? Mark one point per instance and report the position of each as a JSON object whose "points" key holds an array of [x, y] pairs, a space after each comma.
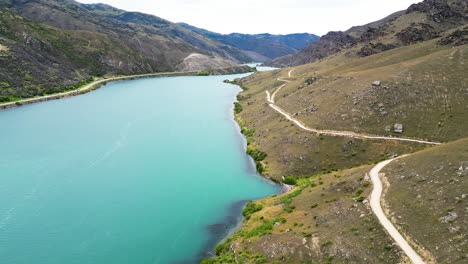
{"points": [[420, 22]]}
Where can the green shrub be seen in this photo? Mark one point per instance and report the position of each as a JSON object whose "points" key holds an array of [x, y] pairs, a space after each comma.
{"points": [[360, 198], [247, 132], [314, 205], [203, 73], [4, 99], [289, 208], [259, 167], [257, 155], [208, 261], [220, 248], [290, 180], [251, 208], [237, 108], [358, 192]]}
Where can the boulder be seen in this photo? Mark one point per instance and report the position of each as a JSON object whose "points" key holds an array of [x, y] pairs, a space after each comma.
{"points": [[398, 128], [376, 83]]}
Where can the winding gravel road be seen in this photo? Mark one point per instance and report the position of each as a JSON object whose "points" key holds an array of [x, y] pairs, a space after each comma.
{"points": [[271, 102], [374, 173], [377, 209]]}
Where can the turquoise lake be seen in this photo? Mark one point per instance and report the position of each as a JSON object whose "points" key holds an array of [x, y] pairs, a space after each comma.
{"points": [[142, 171]]}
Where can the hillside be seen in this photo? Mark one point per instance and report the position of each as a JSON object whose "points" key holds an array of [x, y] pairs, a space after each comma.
{"points": [[426, 196], [413, 91], [420, 22], [327, 219], [422, 87], [53, 46], [262, 46]]}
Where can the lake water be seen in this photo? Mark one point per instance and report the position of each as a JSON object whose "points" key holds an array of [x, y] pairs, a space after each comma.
{"points": [[141, 171]]}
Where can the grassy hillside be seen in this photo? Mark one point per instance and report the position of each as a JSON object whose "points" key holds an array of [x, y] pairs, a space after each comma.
{"points": [[422, 87], [326, 218], [427, 197]]}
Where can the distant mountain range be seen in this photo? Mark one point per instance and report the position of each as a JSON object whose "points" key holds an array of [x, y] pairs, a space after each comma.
{"points": [[261, 46], [49, 46]]}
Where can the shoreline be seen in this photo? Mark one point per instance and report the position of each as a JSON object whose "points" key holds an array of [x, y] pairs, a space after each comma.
{"points": [[284, 188], [101, 82]]}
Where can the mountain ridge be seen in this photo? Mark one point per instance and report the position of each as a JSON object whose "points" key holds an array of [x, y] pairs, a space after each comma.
{"points": [[56, 45], [267, 45], [420, 22]]}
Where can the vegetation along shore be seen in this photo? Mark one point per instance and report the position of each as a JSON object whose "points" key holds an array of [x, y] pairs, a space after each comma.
{"points": [[95, 84]]}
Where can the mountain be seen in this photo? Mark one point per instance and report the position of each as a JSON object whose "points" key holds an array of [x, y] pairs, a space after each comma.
{"points": [[394, 87], [420, 22], [264, 46], [56, 45], [172, 29]]}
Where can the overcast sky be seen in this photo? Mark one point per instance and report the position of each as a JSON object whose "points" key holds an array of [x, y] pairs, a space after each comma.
{"points": [[266, 16]]}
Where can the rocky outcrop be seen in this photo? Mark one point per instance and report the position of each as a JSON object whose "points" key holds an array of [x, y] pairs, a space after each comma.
{"points": [[440, 10], [371, 34], [457, 38], [371, 49], [399, 29], [417, 33]]}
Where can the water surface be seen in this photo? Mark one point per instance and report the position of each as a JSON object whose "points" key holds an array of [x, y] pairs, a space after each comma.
{"points": [[140, 171]]}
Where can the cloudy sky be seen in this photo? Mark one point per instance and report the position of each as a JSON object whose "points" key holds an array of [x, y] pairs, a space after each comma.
{"points": [[266, 16]]}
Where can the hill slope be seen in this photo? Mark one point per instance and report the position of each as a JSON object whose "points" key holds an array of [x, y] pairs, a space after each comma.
{"points": [[420, 22], [52, 46], [414, 90], [327, 219], [422, 87]]}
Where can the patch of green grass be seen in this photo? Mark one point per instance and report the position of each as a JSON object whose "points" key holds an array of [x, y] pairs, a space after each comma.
{"points": [[237, 108], [251, 208]]}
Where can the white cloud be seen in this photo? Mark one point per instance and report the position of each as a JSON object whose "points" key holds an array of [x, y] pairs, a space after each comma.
{"points": [[261, 16]]}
